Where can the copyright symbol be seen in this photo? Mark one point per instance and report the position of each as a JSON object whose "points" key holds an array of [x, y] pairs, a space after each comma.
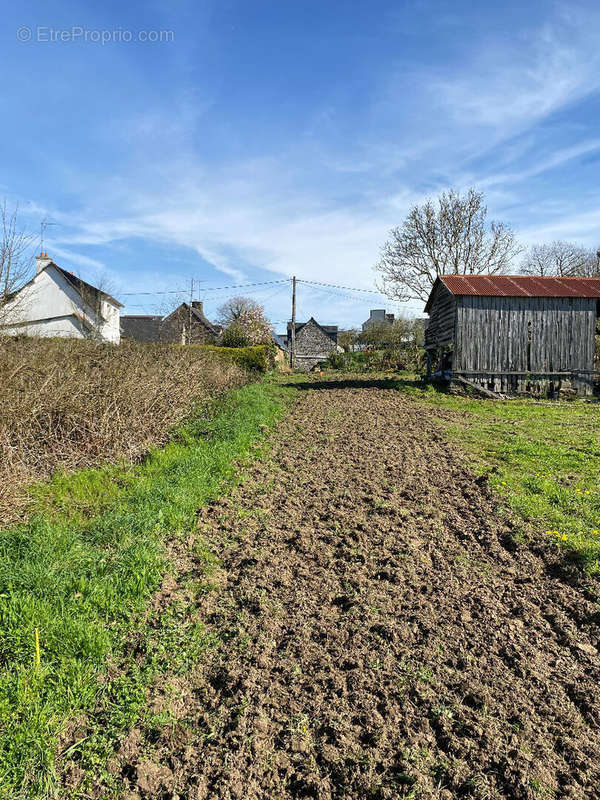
{"points": [[24, 34]]}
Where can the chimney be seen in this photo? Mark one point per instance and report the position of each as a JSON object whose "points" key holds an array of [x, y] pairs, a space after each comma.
{"points": [[198, 304], [41, 262]]}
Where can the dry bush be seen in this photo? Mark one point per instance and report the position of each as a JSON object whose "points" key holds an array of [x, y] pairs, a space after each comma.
{"points": [[67, 403]]}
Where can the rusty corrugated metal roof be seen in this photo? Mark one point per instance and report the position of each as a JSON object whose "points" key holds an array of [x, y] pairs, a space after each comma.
{"points": [[521, 286]]}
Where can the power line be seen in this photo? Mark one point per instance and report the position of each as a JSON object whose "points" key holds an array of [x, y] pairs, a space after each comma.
{"points": [[205, 288], [337, 286], [144, 294], [243, 285], [336, 294], [256, 283]]}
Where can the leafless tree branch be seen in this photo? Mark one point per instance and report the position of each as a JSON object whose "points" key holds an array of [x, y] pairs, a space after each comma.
{"points": [[16, 257], [450, 236], [561, 258]]}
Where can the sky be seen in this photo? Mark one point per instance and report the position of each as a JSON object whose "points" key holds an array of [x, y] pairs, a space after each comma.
{"points": [[236, 142]]}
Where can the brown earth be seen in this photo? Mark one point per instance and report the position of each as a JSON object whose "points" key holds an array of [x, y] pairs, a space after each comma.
{"points": [[381, 634]]}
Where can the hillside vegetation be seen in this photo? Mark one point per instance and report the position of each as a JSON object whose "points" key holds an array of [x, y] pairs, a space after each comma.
{"points": [[67, 404]]}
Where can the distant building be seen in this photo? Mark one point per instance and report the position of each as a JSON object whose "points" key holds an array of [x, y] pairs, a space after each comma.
{"points": [[378, 316], [57, 303], [280, 341], [185, 325], [314, 343]]}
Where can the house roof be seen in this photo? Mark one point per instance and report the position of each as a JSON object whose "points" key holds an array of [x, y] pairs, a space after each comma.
{"points": [[81, 286], [279, 340], [517, 286], [196, 313], [141, 327], [330, 330]]}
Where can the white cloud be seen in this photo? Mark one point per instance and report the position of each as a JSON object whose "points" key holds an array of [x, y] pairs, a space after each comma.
{"points": [[556, 159]]}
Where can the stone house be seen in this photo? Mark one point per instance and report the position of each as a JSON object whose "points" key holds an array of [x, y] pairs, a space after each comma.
{"points": [[185, 325], [314, 343], [55, 302]]}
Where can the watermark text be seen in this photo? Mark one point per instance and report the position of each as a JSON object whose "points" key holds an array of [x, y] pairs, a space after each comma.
{"points": [[78, 33]]}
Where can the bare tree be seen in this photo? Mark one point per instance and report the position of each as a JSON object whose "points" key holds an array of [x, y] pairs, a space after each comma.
{"points": [[560, 258], [450, 237], [16, 258], [235, 308]]}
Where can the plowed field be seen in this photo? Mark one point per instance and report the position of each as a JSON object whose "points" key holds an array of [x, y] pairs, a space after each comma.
{"points": [[380, 631]]}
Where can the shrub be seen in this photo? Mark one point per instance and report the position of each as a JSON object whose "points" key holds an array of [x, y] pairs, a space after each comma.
{"points": [[259, 358], [400, 359], [71, 403], [235, 336], [337, 361]]}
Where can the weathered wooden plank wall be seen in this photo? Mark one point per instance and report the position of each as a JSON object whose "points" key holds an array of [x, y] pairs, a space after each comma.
{"points": [[524, 334], [440, 329]]}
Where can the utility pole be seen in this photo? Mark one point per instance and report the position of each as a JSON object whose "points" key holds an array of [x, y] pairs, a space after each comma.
{"points": [[293, 341]]}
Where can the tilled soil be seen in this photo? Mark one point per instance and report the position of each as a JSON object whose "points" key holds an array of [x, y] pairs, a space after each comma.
{"points": [[381, 634]]}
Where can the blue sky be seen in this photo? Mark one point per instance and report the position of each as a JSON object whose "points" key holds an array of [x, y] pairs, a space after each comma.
{"points": [[266, 139]]}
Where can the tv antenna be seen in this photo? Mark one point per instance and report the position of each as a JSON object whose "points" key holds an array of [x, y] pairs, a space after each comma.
{"points": [[43, 225]]}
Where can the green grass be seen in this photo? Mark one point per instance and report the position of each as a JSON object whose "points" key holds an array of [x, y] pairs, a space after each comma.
{"points": [[82, 571], [543, 457]]}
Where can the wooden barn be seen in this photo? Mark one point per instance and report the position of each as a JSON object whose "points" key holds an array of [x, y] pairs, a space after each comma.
{"points": [[514, 333]]}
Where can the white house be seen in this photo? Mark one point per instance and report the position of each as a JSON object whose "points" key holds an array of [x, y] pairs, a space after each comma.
{"points": [[58, 303]]}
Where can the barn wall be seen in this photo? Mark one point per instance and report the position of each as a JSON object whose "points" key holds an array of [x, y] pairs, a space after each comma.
{"points": [[525, 334], [442, 316]]}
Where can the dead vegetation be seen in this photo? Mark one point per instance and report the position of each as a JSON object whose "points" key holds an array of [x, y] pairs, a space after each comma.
{"points": [[67, 404]]}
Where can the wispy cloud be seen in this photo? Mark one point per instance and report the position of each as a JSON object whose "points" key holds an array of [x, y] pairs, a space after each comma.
{"points": [[582, 227], [508, 86]]}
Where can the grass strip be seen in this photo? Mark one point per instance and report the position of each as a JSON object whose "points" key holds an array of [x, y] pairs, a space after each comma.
{"points": [[82, 572]]}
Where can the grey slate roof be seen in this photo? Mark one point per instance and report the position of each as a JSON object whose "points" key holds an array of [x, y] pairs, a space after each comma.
{"points": [[141, 327], [280, 340], [330, 330], [197, 314]]}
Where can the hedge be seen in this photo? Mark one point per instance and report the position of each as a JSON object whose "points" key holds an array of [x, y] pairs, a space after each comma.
{"points": [[259, 358]]}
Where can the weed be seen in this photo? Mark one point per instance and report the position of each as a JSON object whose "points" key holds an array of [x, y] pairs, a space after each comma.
{"points": [[540, 789]]}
